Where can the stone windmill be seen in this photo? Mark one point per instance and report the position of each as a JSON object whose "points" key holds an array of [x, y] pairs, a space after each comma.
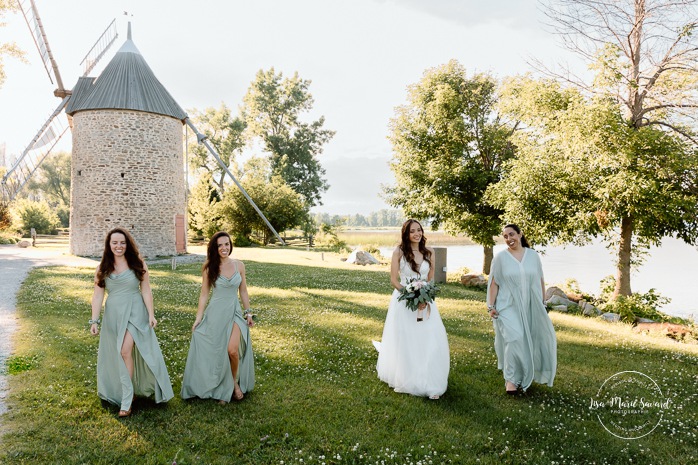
{"points": [[127, 166]]}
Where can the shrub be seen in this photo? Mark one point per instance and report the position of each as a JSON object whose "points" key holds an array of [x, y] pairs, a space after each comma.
{"points": [[5, 216], [38, 215], [7, 237], [641, 306], [327, 238]]}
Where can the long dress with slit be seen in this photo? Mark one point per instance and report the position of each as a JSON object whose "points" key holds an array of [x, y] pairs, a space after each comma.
{"points": [[207, 374], [413, 355], [124, 311], [524, 337]]}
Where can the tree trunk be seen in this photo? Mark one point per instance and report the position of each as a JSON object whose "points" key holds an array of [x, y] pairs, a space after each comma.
{"points": [[487, 262], [623, 266]]}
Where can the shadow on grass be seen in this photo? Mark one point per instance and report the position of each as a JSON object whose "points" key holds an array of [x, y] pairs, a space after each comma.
{"points": [[317, 391]]}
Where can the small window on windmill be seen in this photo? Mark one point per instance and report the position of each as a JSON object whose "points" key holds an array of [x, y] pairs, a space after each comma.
{"points": [[79, 172], [123, 174]]}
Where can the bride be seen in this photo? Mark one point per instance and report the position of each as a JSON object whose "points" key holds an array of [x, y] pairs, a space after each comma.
{"points": [[413, 354]]}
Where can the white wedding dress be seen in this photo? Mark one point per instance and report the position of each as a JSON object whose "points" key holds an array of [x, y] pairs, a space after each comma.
{"points": [[413, 355]]}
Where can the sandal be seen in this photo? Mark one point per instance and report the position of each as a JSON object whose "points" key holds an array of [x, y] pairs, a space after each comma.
{"points": [[434, 397], [508, 391], [237, 394], [124, 413]]}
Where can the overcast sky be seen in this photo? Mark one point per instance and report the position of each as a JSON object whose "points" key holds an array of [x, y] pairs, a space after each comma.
{"points": [[360, 56]]}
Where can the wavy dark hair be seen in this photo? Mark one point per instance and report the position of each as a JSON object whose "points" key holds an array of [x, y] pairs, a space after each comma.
{"points": [[406, 245], [212, 265], [132, 255], [515, 227]]}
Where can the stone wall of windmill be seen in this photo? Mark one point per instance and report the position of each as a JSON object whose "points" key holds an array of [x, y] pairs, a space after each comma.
{"points": [[127, 171]]}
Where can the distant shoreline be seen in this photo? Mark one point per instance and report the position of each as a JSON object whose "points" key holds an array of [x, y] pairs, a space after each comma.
{"points": [[391, 237]]}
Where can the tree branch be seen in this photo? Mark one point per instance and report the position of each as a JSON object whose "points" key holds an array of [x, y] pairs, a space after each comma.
{"points": [[685, 134]]}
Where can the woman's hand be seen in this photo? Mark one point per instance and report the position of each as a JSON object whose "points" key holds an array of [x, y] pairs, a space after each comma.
{"points": [[493, 313], [250, 321], [152, 322], [196, 323], [421, 306], [94, 329]]}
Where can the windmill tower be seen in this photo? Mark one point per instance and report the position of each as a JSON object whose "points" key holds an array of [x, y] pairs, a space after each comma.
{"points": [[127, 166]]}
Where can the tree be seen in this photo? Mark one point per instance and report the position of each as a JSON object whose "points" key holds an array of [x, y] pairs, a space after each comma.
{"points": [[52, 183], [282, 206], [630, 134], [226, 134], [204, 207], [449, 144], [272, 109], [52, 179], [35, 214], [7, 49]]}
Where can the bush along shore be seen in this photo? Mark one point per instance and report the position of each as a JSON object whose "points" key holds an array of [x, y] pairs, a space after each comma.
{"points": [[318, 399], [641, 310]]}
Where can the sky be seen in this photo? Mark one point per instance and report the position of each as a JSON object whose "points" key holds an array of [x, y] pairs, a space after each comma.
{"points": [[360, 55]]}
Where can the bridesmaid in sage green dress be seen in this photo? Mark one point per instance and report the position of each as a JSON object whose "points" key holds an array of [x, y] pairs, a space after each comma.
{"points": [[129, 361], [524, 337], [220, 364]]}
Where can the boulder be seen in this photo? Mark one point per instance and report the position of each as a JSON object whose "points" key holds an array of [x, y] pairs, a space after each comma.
{"points": [[24, 243], [611, 317], [359, 257], [560, 308], [559, 300], [554, 290], [473, 280], [643, 320], [588, 309]]}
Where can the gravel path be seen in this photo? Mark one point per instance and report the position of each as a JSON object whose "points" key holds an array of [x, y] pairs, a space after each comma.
{"points": [[15, 264]]}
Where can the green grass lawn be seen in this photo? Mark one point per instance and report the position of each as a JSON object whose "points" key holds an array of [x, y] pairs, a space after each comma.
{"points": [[318, 399]]}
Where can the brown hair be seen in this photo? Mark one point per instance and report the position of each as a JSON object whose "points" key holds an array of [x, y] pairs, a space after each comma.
{"points": [[132, 255], [212, 265], [406, 245]]}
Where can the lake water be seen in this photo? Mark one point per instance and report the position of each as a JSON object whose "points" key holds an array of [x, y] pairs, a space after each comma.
{"points": [[672, 269]]}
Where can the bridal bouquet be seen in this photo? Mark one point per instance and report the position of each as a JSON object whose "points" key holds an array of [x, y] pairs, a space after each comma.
{"points": [[416, 292]]}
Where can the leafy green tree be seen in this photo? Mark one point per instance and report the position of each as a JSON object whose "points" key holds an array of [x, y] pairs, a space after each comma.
{"points": [[52, 183], [7, 49], [272, 109], [35, 214], [226, 133], [283, 207], [204, 207], [615, 157], [449, 143]]}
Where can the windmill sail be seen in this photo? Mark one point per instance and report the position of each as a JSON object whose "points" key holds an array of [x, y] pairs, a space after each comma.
{"points": [[99, 48], [31, 16], [35, 153], [54, 128]]}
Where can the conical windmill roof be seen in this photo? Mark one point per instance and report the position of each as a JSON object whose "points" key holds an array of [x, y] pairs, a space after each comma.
{"points": [[127, 83]]}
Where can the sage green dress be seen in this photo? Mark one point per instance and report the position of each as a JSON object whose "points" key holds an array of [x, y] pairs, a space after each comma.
{"points": [[207, 374], [524, 337], [125, 310]]}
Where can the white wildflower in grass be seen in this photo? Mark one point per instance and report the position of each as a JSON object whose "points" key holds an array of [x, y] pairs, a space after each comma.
{"points": [[317, 398]]}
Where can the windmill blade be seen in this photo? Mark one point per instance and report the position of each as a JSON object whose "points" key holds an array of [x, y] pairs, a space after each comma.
{"points": [[100, 47], [38, 149], [201, 138], [31, 16]]}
